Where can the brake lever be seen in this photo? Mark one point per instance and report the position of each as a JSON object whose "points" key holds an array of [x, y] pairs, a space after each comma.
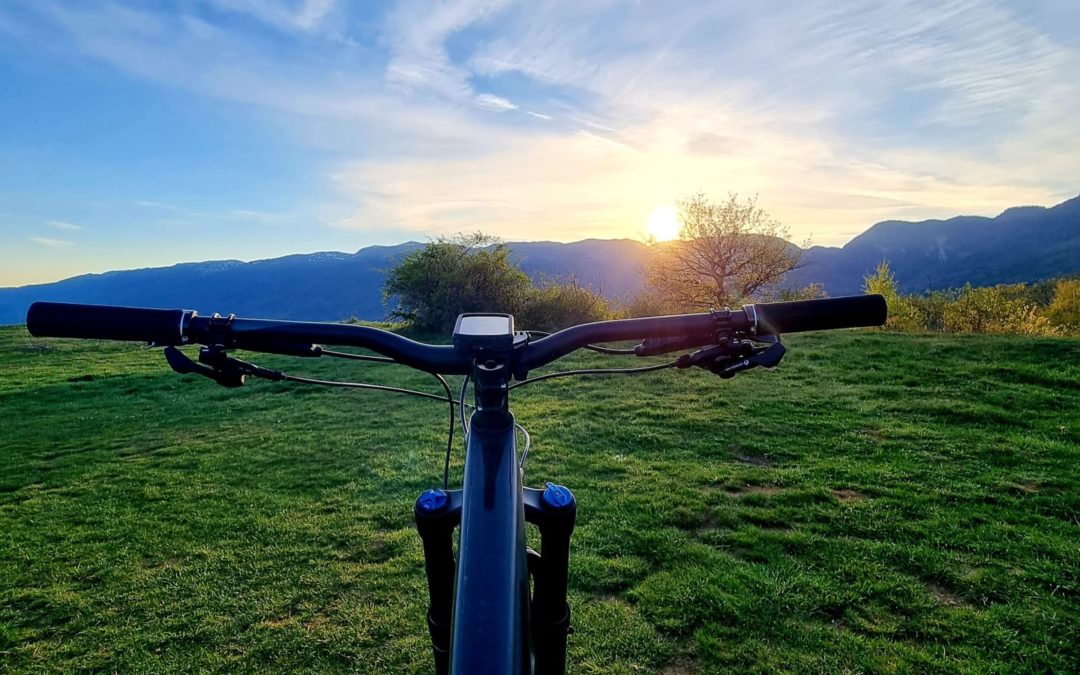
{"points": [[765, 357], [729, 358], [223, 369], [226, 377]]}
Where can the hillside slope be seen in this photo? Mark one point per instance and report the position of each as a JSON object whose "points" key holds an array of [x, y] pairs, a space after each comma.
{"points": [[1029, 243]]}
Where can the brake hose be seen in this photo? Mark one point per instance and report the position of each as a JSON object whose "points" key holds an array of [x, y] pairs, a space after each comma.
{"points": [[593, 348], [595, 371]]}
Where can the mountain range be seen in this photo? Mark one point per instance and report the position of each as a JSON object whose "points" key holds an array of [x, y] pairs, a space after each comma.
{"points": [[1022, 244]]}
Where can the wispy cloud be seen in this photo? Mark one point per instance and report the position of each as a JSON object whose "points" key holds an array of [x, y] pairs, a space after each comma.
{"points": [[308, 16], [416, 32], [496, 103], [50, 242], [62, 225], [230, 214]]}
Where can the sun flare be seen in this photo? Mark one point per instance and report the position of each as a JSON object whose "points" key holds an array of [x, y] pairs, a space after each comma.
{"points": [[663, 223]]}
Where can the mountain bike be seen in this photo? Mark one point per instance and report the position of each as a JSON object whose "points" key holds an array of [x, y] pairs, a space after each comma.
{"points": [[495, 605]]}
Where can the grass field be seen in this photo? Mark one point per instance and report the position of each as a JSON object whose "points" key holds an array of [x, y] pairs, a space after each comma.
{"points": [[879, 503]]}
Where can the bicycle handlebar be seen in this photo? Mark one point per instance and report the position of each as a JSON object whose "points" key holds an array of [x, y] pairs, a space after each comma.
{"points": [[102, 322], [547, 349], [775, 318], [173, 327], [442, 359], [165, 327]]}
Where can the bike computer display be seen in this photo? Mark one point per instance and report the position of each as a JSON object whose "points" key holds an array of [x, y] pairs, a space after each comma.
{"points": [[474, 332]]}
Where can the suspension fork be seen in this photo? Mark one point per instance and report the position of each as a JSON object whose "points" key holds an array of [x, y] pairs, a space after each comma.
{"points": [[553, 510]]}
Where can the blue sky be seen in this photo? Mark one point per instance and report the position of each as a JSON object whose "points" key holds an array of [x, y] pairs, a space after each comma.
{"points": [[148, 133]]}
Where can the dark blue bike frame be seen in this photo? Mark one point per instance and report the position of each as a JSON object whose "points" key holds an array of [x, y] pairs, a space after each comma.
{"points": [[491, 608]]}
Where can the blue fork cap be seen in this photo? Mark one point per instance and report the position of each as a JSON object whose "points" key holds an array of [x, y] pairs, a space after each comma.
{"points": [[557, 497], [432, 501]]}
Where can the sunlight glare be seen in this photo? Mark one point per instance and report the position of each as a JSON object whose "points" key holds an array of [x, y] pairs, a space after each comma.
{"points": [[663, 223]]}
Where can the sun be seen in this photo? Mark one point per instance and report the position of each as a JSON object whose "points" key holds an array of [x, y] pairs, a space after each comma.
{"points": [[663, 223]]}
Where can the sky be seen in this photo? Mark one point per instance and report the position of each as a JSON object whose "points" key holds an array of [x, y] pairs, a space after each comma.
{"points": [[137, 133]]}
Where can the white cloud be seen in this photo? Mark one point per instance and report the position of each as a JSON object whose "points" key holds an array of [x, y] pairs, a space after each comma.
{"points": [[51, 243], [230, 214], [416, 33], [496, 103], [306, 15], [312, 12], [61, 225]]}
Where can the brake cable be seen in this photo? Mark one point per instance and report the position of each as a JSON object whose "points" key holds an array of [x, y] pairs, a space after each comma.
{"points": [[356, 357], [593, 348], [449, 398], [461, 408], [230, 372], [596, 371], [442, 380], [359, 385]]}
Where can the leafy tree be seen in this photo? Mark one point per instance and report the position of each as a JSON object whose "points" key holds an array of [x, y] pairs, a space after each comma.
{"points": [[449, 276], [903, 315], [728, 252], [1064, 309]]}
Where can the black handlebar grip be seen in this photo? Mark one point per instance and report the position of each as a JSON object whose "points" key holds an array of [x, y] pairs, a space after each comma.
{"points": [[803, 315], [102, 322]]}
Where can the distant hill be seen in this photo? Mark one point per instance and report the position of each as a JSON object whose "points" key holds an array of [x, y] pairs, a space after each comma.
{"points": [[1028, 243], [317, 286], [1023, 244]]}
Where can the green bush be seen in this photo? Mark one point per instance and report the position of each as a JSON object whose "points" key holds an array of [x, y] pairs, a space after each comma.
{"points": [[648, 303], [930, 309], [995, 309], [474, 273], [552, 305], [903, 314], [449, 276], [807, 292], [1016, 309], [1064, 309]]}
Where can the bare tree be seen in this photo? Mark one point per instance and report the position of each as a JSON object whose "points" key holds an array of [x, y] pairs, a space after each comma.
{"points": [[728, 252]]}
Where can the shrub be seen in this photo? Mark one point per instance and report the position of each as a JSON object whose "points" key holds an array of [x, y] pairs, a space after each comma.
{"points": [[648, 303], [903, 314], [1064, 309], [995, 309], [552, 305], [449, 276], [808, 292], [930, 308], [474, 273]]}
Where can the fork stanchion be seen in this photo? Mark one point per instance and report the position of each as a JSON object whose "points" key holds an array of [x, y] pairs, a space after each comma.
{"points": [[437, 513], [554, 511]]}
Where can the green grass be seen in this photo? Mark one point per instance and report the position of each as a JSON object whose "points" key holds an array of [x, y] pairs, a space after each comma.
{"points": [[879, 503]]}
